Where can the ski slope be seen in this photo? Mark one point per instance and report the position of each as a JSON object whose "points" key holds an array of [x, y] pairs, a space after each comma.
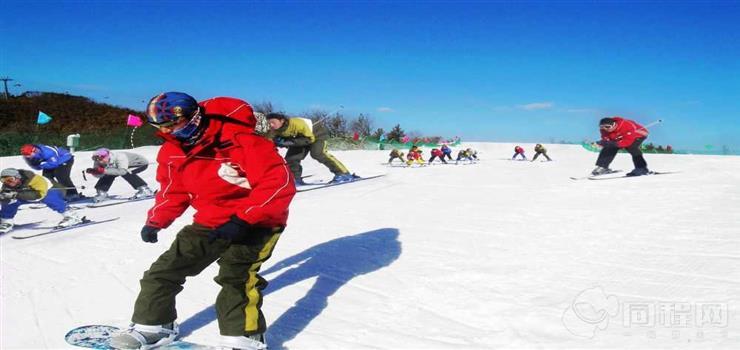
{"points": [[499, 254]]}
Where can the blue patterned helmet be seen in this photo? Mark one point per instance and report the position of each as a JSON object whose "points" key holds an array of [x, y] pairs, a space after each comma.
{"points": [[169, 107]]}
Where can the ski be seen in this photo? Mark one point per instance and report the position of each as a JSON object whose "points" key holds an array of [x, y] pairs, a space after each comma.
{"points": [[110, 203], [593, 176], [626, 176], [75, 203], [99, 336], [60, 229], [316, 186]]}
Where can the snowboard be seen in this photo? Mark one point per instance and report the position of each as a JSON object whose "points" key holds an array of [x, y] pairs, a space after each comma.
{"points": [[51, 230], [320, 185], [98, 337]]}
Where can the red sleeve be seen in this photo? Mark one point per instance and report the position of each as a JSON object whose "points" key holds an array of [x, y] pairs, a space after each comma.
{"points": [[272, 183], [172, 199], [628, 132]]}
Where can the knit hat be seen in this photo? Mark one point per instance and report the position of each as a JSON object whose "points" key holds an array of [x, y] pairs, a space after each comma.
{"points": [[10, 172]]}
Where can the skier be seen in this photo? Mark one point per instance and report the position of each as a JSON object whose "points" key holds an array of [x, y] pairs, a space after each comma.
{"points": [[437, 153], [619, 133], [519, 151], [463, 154], [240, 188], [395, 154], [414, 156], [540, 149], [472, 153], [55, 164], [23, 187], [108, 165], [446, 152], [302, 137]]}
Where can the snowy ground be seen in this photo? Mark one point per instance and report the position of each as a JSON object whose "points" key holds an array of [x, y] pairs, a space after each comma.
{"points": [[500, 254]]}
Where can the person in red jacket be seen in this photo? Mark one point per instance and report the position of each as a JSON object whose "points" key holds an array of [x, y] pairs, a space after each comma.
{"points": [[619, 133], [240, 188], [437, 153], [518, 150]]}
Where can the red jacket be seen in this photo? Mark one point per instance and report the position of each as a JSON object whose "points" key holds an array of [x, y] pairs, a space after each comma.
{"points": [[230, 170], [436, 152], [625, 133], [518, 149]]}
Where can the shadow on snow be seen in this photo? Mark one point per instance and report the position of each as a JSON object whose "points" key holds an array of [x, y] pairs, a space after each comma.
{"points": [[333, 264]]}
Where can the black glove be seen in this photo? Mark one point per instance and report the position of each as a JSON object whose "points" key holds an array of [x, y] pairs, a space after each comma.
{"points": [[149, 233], [238, 231]]}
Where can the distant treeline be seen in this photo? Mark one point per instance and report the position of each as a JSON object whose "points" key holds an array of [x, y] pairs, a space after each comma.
{"points": [[101, 124]]}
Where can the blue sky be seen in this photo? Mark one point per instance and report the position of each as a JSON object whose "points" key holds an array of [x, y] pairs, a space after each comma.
{"points": [[531, 71]]}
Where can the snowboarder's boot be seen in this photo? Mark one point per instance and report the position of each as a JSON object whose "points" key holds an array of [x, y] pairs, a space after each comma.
{"points": [[248, 342], [139, 336]]}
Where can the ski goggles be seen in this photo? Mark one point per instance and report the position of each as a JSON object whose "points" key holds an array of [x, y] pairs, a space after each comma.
{"points": [[181, 128], [608, 127]]}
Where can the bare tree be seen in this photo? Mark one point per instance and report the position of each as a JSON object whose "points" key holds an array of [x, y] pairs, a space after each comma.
{"points": [[264, 107], [362, 125]]}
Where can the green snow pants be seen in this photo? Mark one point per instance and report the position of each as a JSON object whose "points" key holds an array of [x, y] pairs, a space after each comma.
{"points": [[240, 299], [318, 151]]}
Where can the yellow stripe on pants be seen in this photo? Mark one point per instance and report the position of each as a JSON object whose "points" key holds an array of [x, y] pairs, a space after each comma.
{"points": [[251, 323]]}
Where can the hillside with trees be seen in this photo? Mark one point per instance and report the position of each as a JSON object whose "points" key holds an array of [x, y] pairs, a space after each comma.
{"points": [[104, 125]]}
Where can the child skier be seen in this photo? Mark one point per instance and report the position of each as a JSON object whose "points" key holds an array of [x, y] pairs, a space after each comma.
{"points": [[540, 149], [414, 157], [55, 164], [437, 153], [446, 152], [619, 133], [463, 154], [519, 151], [108, 165], [395, 154], [23, 187]]}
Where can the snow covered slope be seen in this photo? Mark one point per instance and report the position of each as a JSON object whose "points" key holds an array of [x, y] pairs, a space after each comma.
{"points": [[500, 254]]}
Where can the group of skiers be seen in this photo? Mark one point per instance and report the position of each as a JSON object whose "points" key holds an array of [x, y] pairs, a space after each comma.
{"points": [[54, 187], [240, 213], [444, 153], [539, 149]]}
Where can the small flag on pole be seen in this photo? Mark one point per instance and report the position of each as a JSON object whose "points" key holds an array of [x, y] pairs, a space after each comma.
{"points": [[134, 120], [43, 118]]}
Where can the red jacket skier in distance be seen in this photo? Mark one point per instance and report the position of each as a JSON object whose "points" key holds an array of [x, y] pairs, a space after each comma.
{"points": [[624, 133], [230, 170]]}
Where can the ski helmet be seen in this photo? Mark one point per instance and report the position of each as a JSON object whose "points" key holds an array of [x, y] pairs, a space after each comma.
{"points": [[169, 107], [10, 172], [27, 150], [101, 154]]}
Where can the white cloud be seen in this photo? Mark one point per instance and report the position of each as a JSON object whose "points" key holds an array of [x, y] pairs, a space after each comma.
{"points": [[536, 106], [385, 110], [582, 110]]}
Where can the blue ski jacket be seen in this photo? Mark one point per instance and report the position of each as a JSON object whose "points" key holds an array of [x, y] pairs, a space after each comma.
{"points": [[48, 157]]}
